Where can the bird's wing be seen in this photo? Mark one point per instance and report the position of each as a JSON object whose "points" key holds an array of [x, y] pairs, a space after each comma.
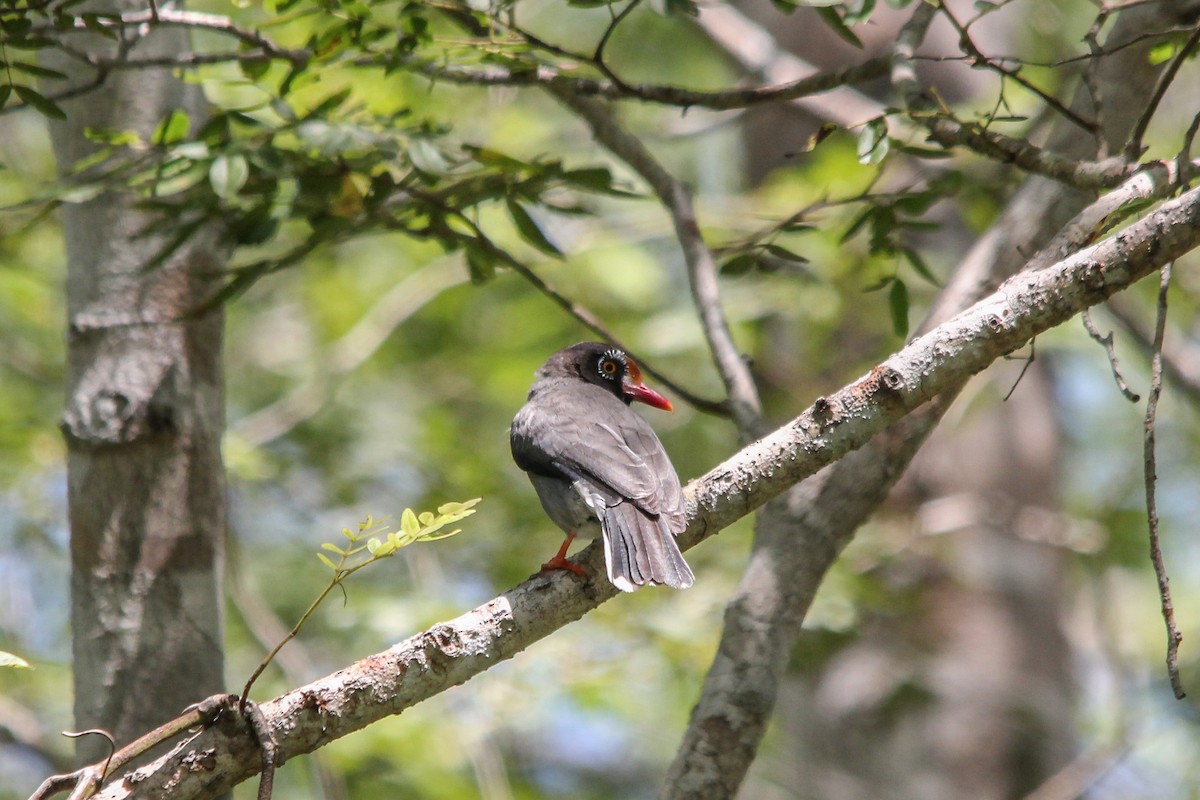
{"points": [[577, 431]]}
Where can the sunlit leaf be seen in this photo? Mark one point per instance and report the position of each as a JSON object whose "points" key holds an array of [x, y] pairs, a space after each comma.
{"points": [[15, 662], [228, 175], [409, 523], [1162, 52], [873, 141], [172, 129]]}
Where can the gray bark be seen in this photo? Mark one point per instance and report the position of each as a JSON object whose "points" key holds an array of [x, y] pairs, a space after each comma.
{"points": [[143, 422]]}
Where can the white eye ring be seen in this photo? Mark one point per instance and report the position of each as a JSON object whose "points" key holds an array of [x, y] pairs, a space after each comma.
{"points": [[613, 358]]}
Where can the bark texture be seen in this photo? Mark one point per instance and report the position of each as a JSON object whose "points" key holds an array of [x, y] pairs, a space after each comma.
{"points": [[143, 422]]}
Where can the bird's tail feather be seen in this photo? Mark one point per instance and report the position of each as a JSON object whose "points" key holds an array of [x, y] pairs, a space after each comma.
{"points": [[639, 549]]}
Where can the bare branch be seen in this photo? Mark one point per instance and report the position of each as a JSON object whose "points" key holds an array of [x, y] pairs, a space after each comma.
{"points": [[1180, 354], [739, 384], [1106, 341], [1160, 570]]}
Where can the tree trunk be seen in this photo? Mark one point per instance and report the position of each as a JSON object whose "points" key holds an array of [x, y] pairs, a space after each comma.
{"points": [[143, 422]]}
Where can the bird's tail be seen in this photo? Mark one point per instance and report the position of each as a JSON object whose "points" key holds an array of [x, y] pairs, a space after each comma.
{"points": [[640, 549]]}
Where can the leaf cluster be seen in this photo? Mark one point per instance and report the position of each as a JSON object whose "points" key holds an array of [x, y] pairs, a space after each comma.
{"points": [[377, 541]]}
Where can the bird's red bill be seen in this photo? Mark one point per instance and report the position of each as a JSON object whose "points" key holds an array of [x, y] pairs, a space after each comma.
{"points": [[634, 389]]}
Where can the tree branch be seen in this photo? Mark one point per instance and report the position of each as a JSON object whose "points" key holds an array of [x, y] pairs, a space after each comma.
{"points": [[452, 652], [702, 274]]}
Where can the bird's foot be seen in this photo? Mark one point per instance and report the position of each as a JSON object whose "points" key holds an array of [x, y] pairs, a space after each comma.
{"points": [[560, 562]]}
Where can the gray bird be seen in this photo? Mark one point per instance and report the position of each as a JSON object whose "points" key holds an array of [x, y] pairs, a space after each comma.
{"points": [[597, 466]]}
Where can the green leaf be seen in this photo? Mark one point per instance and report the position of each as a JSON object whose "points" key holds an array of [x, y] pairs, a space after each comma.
{"points": [[916, 202], [374, 546], [16, 25], [481, 263], [228, 174], [426, 518], [494, 158], [255, 226], [918, 264], [529, 229], [39, 72], [325, 560], [740, 264], [173, 128], [687, 8], [113, 136], [254, 68], [38, 102], [1162, 53], [830, 17], [409, 523], [31, 43], [462, 509], [326, 107], [858, 224], [898, 305], [425, 156], [858, 11], [873, 141], [333, 548], [94, 24], [16, 662], [595, 179], [785, 254], [433, 537]]}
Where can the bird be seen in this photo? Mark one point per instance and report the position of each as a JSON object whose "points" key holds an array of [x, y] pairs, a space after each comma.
{"points": [[598, 467]]}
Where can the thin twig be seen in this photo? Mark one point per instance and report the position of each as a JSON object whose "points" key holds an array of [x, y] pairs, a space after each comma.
{"points": [[1107, 343], [976, 57], [1160, 571], [735, 373], [583, 315], [1024, 368], [1133, 149]]}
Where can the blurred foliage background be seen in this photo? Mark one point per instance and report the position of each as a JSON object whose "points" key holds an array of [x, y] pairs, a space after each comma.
{"points": [[376, 375]]}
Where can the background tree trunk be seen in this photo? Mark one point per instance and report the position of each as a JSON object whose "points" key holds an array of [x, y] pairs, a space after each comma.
{"points": [[143, 423]]}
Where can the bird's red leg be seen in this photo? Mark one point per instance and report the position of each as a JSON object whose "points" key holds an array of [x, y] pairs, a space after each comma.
{"points": [[559, 560]]}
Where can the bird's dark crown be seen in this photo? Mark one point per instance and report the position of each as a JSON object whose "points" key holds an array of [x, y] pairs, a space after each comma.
{"points": [[594, 362]]}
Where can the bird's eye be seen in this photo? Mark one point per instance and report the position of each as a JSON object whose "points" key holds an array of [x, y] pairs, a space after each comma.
{"points": [[611, 364]]}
